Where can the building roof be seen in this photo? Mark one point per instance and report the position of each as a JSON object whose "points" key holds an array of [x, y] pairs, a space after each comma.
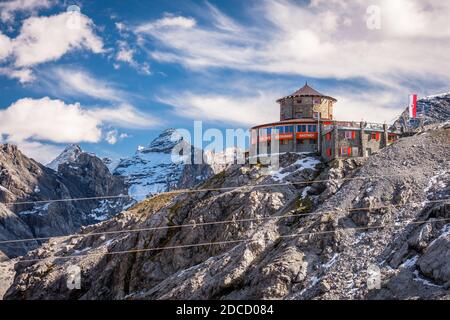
{"points": [[292, 122], [307, 91]]}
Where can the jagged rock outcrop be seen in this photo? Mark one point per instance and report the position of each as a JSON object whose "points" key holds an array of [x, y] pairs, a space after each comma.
{"points": [[430, 110], [3, 257], [220, 160], [158, 168], [13, 227], [27, 186]]}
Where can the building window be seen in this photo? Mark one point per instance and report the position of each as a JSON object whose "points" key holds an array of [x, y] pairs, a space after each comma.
{"points": [[346, 151], [328, 152], [269, 131], [391, 138], [375, 136], [312, 128], [288, 129], [350, 134], [280, 129], [301, 128], [355, 151]]}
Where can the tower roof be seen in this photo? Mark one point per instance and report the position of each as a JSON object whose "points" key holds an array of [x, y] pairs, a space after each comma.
{"points": [[307, 91]]}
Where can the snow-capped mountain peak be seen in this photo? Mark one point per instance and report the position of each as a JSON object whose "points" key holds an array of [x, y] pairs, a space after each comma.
{"points": [[70, 154], [155, 169], [164, 143]]}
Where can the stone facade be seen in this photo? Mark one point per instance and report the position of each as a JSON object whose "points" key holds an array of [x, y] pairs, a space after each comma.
{"points": [[358, 141], [303, 108]]}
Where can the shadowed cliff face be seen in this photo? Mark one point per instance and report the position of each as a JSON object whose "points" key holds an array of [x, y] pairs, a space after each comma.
{"points": [[264, 257], [24, 180]]}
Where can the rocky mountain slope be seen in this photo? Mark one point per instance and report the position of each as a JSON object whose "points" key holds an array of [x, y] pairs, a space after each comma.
{"points": [[6, 273], [308, 240], [430, 110], [26, 186], [154, 169]]}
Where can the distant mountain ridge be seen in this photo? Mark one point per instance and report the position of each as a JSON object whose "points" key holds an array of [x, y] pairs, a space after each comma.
{"points": [[27, 187], [79, 174]]}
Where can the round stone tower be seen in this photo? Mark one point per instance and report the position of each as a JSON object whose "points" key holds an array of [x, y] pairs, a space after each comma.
{"points": [[304, 102]]}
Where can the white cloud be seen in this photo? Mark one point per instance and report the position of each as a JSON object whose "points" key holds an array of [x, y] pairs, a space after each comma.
{"points": [[245, 110], [111, 136], [23, 75], [324, 39], [126, 54], [406, 18], [125, 116], [44, 39], [221, 21], [320, 39], [77, 82], [124, 136], [375, 106], [5, 46], [46, 119], [9, 8], [168, 22], [34, 124], [120, 26]]}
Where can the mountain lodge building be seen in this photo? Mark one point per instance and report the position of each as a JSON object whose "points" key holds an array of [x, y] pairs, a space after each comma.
{"points": [[307, 125]]}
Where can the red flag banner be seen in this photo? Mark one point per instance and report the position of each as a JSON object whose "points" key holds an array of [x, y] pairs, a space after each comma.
{"points": [[413, 106]]}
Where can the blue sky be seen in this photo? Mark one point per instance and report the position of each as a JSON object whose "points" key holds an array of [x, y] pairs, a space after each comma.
{"points": [[115, 75]]}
